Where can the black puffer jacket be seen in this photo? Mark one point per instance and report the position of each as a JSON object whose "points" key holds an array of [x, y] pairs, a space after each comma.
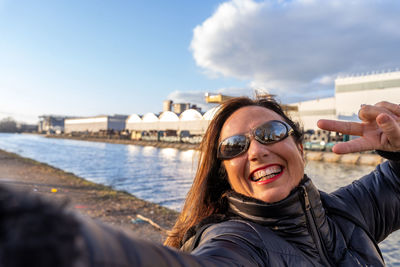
{"points": [[309, 228]]}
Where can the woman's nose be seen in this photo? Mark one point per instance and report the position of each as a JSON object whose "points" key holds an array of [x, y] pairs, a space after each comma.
{"points": [[257, 150]]}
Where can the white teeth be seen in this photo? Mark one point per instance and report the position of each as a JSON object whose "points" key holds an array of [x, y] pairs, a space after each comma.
{"points": [[267, 173]]}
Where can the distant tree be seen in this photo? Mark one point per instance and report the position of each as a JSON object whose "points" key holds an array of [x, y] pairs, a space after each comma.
{"points": [[8, 125]]}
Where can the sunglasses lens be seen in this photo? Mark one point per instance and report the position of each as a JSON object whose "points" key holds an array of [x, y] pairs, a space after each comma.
{"points": [[268, 133], [272, 131], [232, 146]]}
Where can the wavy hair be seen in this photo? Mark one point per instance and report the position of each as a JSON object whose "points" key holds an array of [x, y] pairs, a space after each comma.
{"points": [[205, 196]]}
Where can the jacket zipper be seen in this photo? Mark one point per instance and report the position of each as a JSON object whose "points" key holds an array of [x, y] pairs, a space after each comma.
{"points": [[315, 233]]}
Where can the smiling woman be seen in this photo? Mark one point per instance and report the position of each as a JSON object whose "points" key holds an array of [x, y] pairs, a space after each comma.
{"points": [[251, 203]]}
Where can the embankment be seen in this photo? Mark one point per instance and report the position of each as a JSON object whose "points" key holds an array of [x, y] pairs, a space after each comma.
{"points": [[90, 199], [181, 146], [352, 158]]}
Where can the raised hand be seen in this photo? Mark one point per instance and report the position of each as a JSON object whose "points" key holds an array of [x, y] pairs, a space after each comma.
{"points": [[379, 129]]}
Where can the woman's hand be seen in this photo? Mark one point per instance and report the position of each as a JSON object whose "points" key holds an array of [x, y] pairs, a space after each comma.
{"points": [[379, 129]]}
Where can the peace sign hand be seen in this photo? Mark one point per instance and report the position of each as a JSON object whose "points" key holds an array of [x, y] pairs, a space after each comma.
{"points": [[379, 129]]}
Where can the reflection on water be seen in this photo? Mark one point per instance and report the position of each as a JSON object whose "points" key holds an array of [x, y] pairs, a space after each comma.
{"points": [[159, 175], [169, 153], [148, 150], [134, 150], [188, 155]]}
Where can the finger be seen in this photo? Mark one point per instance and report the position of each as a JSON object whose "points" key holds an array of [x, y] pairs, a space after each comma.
{"points": [[369, 112], [394, 108], [355, 145], [344, 127], [391, 129]]}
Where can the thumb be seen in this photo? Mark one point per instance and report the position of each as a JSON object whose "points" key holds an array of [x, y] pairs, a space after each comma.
{"points": [[390, 128]]}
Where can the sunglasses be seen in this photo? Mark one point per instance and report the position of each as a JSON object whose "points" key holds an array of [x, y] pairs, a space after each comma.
{"points": [[266, 134]]}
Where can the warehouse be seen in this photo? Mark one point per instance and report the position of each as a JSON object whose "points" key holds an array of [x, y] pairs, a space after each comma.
{"points": [[191, 124], [95, 124], [350, 93]]}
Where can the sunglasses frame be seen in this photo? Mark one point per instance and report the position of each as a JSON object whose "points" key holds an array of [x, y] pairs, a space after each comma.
{"points": [[251, 133]]}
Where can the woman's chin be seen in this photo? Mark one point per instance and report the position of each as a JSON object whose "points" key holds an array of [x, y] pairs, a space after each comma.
{"points": [[273, 195]]}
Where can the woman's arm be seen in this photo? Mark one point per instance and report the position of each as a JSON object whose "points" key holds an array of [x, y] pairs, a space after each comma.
{"points": [[374, 200], [36, 232], [376, 197], [109, 246]]}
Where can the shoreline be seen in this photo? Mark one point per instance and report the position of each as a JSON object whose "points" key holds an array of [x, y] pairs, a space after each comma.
{"points": [[180, 146], [145, 219], [323, 156], [352, 158]]}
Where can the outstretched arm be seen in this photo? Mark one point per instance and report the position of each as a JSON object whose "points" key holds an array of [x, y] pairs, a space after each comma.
{"points": [[35, 232], [379, 129]]}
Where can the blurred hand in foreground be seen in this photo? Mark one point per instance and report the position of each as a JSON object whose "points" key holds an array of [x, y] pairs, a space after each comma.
{"points": [[379, 129]]}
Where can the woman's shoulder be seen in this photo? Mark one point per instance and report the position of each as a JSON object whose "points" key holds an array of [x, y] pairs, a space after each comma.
{"points": [[227, 228], [236, 238]]}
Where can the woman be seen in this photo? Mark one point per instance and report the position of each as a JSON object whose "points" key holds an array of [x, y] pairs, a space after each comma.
{"points": [[251, 204]]}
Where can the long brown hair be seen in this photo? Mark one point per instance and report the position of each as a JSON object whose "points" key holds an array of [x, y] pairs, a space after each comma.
{"points": [[205, 197]]}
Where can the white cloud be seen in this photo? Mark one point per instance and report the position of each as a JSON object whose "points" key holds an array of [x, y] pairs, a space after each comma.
{"points": [[325, 80], [297, 48]]}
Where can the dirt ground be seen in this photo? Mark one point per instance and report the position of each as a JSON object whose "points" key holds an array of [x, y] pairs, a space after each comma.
{"points": [[93, 200]]}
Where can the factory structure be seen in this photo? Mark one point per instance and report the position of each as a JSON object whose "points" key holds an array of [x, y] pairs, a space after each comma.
{"points": [[350, 93], [189, 126], [183, 122], [51, 124], [95, 124]]}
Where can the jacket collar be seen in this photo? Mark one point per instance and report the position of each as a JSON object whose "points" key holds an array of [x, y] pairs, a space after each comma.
{"points": [[285, 215]]}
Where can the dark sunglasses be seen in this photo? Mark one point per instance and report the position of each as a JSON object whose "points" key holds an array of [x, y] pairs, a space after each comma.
{"points": [[267, 133]]}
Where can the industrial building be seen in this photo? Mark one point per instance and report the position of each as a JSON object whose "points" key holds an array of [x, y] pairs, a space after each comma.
{"points": [[350, 93], [95, 124], [309, 112], [189, 124], [51, 124], [178, 108], [181, 121]]}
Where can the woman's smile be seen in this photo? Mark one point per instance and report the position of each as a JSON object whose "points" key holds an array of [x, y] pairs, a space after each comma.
{"points": [[267, 173]]}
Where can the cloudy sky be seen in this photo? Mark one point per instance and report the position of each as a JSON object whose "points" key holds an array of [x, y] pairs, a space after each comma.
{"points": [[85, 58]]}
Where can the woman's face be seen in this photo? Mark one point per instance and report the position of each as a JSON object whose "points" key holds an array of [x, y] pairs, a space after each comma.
{"points": [[266, 172]]}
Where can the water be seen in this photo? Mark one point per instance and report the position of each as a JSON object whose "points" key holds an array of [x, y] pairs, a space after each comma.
{"points": [[162, 176]]}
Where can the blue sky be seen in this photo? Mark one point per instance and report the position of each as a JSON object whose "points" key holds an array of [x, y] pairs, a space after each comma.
{"points": [[87, 57]]}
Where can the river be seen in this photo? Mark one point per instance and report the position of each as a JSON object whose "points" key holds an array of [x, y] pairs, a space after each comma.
{"points": [[158, 175]]}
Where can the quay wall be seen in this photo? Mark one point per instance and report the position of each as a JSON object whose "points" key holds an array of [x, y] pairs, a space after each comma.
{"points": [[352, 158]]}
